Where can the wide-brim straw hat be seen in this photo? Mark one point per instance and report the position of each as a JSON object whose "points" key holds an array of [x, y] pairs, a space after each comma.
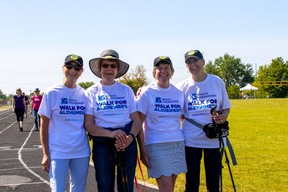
{"points": [[94, 64]]}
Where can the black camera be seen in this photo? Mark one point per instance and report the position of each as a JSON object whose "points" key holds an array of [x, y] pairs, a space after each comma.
{"points": [[213, 130]]}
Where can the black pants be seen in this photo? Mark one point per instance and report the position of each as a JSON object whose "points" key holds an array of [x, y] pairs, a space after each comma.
{"points": [[19, 114], [212, 163]]}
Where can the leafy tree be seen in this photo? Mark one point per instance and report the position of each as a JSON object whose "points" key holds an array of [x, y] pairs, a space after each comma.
{"points": [[2, 96], [276, 71], [231, 70], [86, 85], [135, 79], [233, 92]]}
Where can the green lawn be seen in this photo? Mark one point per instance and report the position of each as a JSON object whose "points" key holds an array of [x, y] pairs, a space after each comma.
{"points": [[259, 135]]}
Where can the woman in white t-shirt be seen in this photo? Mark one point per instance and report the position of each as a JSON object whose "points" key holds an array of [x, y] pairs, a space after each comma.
{"points": [[112, 121], [202, 92], [160, 107], [63, 138]]}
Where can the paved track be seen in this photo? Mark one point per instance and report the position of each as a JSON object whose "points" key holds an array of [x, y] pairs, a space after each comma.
{"points": [[20, 157]]}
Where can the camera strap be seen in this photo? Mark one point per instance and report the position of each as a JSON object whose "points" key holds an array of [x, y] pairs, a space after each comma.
{"points": [[229, 145]]}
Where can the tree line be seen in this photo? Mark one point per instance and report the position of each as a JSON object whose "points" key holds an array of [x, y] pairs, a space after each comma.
{"points": [[232, 70], [235, 74]]}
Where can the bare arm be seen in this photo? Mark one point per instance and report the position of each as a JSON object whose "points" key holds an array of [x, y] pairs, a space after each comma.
{"points": [[221, 117], [99, 131], [13, 104], [44, 139], [135, 127], [31, 104], [143, 151]]}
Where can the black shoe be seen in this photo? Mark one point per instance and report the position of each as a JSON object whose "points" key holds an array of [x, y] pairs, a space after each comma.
{"points": [[36, 129], [21, 128]]}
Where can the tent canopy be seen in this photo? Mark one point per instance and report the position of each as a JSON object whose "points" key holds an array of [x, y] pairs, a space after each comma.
{"points": [[249, 87]]}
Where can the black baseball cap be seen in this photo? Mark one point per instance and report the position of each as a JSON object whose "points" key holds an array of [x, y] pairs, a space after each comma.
{"points": [[75, 58], [162, 59], [193, 54]]}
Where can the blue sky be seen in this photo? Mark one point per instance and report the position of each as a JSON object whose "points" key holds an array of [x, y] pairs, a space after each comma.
{"points": [[36, 36]]}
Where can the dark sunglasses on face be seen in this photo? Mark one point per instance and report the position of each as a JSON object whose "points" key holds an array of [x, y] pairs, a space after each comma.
{"points": [[76, 67], [113, 66]]}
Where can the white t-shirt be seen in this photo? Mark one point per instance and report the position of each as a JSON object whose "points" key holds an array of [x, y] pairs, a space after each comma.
{"points": [[163, 108], [111, 105], [65, 108], [199, 98]]}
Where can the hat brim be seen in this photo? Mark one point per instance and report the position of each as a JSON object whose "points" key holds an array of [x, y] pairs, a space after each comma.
{"points": [[78, 63], [191, 57], [94, 65]]}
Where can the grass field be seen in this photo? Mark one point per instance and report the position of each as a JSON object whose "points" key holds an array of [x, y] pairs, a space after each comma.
{"points": [[259, 135]]}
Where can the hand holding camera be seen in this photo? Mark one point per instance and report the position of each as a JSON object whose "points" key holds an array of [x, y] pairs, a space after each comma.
{"points": [[218, 116], [219, 127]]}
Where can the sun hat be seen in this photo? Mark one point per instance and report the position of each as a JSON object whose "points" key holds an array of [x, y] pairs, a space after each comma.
{"points": [[162, 59], [193, 54], [94, 64], [75, 58]]}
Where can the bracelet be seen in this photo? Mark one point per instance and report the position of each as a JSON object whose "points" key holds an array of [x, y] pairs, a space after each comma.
{"points": [[133, 136]]}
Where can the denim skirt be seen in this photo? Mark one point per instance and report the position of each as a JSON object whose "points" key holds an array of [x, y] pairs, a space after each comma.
{"points": [[166, 159]]}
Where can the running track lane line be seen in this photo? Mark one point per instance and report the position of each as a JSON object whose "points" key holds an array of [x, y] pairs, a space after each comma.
{"points": [[24, 164], [7, 127]]}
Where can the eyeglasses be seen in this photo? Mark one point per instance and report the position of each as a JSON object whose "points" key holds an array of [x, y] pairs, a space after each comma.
{"points": [[113, 66], [76, 67], [192, 60]]}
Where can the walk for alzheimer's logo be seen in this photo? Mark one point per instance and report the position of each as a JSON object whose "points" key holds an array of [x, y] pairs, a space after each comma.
{"points": [[158, 100], [106, 103], [71, 107], [201, 101], [64, 101], [167, 105]]}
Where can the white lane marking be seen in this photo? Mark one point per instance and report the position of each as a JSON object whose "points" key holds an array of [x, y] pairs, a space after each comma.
{"points": [[24, 164], [13, 180], [6, 116], [35, 167], [7, 127], [5, 148]]}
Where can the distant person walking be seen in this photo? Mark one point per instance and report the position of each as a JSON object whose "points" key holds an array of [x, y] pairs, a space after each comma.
{"points": [[63, 138], [35, 104], [18, 106], [26, 103]]}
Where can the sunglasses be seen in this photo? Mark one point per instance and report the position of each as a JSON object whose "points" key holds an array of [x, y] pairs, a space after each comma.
{"points": [[76, 67], [113, 66]]}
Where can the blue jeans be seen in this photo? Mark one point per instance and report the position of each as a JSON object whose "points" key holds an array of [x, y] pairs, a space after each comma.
{"points": [[212, 164], [106, 158], [36, 118], [78, 169]]}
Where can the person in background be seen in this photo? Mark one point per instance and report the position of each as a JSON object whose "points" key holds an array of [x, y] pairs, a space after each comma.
{"points": [[35, 104], [112, 120], [63, 138], [160, 106], [18, 107], [202, 92], [26, 103]]}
